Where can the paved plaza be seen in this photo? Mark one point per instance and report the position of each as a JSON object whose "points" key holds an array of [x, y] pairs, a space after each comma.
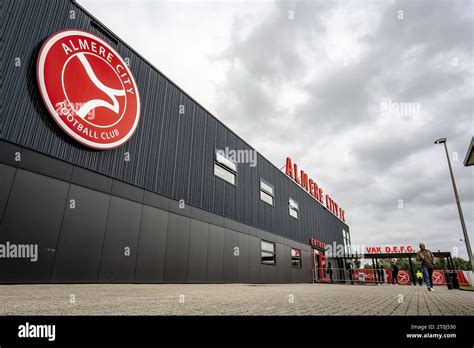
{"points": [[231, 299]]}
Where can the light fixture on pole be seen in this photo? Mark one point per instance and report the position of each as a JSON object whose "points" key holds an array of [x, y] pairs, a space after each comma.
{"points": [[458, 202]]}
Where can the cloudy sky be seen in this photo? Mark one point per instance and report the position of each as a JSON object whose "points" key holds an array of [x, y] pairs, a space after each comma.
{"points": [[355, 92]]}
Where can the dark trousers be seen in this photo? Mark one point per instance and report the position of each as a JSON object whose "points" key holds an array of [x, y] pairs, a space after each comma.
{"points": [[428, 275], [395, 278]]}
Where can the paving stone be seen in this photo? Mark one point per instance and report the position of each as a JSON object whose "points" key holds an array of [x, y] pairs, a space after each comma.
{"points": [[231, 299]]}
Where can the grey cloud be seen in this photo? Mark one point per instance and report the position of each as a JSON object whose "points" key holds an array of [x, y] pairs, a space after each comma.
{"points": [[342, 99]]}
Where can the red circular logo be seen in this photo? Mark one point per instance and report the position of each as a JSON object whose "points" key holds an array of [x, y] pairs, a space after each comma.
{"points": [[438, 278], [88, 89], [403, 277]]}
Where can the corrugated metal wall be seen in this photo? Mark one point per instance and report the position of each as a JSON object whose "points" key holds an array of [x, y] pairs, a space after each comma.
{"points": [[118, 233], [170, 154]]}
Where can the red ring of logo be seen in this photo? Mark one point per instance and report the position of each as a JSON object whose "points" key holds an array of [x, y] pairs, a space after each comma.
{"points": [[88, 89], [438, 277], [403, 277]]}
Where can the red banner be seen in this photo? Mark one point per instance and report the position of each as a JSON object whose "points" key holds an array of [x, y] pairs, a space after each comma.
{"points": [[404, 277], [462, 278]]}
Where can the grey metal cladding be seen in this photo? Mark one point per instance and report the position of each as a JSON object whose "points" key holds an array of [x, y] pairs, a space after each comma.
{"points": [[44, 200], [197, 259], [82, 233], [120, 245], [7, 174], [177, 244], [33, 161], [171, 154], [231, 255], [215, 255], [243, 267], [92, 180], [150, 263], [9, 152], [254, 259]]}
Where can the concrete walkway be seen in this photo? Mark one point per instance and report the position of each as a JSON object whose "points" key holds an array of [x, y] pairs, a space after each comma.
{"points": [[231, 299]]}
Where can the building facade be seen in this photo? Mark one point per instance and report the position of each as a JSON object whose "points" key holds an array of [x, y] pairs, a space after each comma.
{"points": [[165, 207]]}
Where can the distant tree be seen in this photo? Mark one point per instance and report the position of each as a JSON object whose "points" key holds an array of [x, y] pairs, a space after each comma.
{"points": [[462, 264], [386, 263], [440, 263], [356, 263], [459, 263], [402, 263]]}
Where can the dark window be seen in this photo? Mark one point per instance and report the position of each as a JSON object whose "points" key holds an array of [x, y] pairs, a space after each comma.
{"points": [[268, 253], [295, 258]]}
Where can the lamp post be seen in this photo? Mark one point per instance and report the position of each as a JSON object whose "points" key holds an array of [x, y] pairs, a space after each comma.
{"points": [[458, 202]]}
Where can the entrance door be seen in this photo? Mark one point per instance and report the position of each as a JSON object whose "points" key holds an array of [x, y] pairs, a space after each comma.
{"points": [[319, 266], [315, 265], [322, 268]]}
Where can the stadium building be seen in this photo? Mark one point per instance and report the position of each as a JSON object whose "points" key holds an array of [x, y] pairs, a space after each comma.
{"points": [[112, 173]]}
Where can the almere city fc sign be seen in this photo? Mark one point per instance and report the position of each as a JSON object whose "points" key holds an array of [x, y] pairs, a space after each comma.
{"points": [[308, 184], [88, 89]]}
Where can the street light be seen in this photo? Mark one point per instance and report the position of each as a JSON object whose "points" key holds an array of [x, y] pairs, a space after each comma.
{"points": [[458, 202]]}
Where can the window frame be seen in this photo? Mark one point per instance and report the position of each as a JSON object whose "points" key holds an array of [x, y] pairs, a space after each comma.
{"points": [[294, 209], [225, 164], [268, 252], [264, 191], [298, 258], [346, 239]]}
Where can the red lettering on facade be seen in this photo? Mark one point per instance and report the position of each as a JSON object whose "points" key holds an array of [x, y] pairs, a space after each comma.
{"points": [[317, 244], [289, 170], [307, 183], [295, 173], [304, 180]]}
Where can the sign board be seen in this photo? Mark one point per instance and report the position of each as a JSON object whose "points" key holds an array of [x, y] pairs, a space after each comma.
{"points": [[389, 249], [88, 89], [317, 244], [308, 184]]}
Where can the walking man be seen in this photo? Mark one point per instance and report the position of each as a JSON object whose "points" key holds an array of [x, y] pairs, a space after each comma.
{"points": [[426, 258], [349, 272], [382, 274], [329, 271]]}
